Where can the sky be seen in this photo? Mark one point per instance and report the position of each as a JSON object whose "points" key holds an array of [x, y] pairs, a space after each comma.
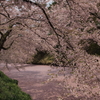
{"points": [[49, 2]]}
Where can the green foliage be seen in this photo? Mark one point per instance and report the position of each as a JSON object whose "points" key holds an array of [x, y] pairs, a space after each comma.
{"points": [[42, 57], [9, 89]]}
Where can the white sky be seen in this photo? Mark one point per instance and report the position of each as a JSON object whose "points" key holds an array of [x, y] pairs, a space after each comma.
{"points": [[49, 2]]}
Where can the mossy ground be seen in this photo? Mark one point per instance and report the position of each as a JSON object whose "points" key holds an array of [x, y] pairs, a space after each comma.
{"points": [[9, 89]]}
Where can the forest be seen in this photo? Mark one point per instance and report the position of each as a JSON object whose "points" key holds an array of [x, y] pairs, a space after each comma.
{"points": [[61, 33]]}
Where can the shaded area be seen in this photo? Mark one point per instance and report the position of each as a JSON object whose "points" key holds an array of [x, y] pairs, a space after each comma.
{"points": [[42, 57], [90, 46]]}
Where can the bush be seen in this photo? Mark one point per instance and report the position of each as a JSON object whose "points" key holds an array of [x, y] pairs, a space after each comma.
{"points": [[9, 89]]}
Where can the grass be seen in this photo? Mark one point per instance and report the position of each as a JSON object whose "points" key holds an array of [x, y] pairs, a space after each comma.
{"points": [[9, 89]]}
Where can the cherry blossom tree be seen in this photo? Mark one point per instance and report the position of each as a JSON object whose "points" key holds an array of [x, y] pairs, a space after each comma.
{"points": [[68, 28]]}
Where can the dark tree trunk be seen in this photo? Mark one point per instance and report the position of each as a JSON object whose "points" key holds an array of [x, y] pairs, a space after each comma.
{"points": [[3, 39]]}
